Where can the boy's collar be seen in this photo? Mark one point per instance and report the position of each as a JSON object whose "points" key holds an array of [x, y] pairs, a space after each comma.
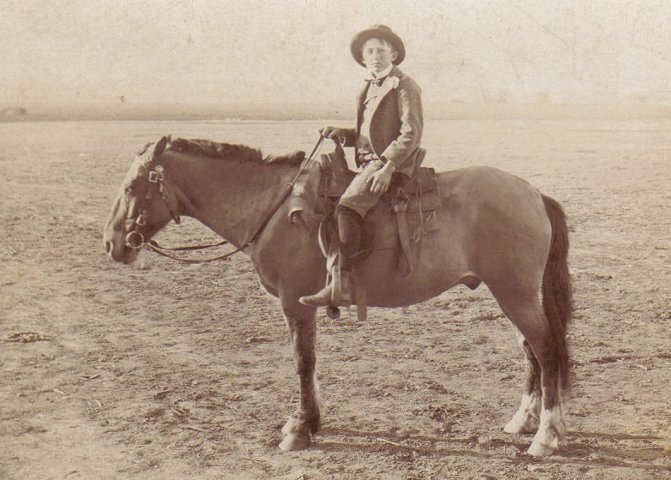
{"points": [[382, 74]]}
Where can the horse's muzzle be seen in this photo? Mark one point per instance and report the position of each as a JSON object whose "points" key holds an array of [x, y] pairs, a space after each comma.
{"points": [[117, 250]]}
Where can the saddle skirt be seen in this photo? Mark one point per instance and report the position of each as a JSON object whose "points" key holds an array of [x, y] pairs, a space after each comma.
{"points": [[400, 220], [418, 199]]}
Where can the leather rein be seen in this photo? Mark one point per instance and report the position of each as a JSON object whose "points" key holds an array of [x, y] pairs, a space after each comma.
{"points": [[156, 184]]}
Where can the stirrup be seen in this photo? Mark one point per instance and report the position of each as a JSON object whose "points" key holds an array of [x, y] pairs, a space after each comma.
{"points": [[357, 295], [339, 296]]}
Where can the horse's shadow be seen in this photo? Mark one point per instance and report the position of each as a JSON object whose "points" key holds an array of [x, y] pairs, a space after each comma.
{"points": [[608, 449], [586, 449], [376, 442]]}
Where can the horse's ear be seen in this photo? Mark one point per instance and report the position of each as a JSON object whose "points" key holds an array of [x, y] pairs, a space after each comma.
{"points": [[159, 148]]}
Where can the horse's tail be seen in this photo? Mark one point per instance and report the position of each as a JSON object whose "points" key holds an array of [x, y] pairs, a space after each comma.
{"points": [[557, 291]]}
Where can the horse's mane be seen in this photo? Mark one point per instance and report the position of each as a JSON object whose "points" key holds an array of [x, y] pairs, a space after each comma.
{"points": [[232, 151]]}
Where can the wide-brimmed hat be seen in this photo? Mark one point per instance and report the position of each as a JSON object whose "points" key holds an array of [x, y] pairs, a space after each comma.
{"points": [[377, 31]]}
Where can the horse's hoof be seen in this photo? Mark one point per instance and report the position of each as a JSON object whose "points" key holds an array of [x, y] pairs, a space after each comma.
{"points": [[545, 443], [516, 427], [294, 425], [537, 449], [295, 441]]}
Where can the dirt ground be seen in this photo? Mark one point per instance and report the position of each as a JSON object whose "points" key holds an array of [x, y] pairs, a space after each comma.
{"points": [[162, 370]]}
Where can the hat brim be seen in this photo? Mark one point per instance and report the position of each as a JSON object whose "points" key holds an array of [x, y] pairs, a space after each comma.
{"points": [[360, 38]]}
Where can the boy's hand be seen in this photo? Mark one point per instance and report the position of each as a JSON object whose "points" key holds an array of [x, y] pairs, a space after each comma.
{"points": [[380, 180]]}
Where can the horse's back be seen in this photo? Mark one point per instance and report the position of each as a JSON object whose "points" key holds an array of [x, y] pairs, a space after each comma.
{"points": [[487, 182], [488, 196]]}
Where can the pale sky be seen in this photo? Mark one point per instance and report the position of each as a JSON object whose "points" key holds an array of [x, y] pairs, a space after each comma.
{"points": [[200, 51]]}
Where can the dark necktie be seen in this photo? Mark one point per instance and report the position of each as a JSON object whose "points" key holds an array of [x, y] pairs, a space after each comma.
{"points": [[376, 81]]}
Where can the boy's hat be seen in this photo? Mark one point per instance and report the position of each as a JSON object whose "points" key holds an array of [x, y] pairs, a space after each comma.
{"points": [[377, 31]]}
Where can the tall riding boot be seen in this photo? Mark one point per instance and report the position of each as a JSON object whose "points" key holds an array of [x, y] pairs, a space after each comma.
{"points": [[340, 290], [338, 293]]}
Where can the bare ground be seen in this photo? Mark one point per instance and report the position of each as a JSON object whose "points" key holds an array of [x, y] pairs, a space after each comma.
{"points": [[163, 370]]}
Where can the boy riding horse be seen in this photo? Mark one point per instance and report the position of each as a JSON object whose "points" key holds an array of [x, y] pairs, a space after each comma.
{"points": [[386, 143]]}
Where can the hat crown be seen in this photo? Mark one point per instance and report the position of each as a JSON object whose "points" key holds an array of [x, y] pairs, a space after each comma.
{"points": [[380, 31]]}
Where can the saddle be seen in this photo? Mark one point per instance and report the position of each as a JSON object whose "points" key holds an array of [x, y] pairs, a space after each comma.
{"points": [[401, 219]]}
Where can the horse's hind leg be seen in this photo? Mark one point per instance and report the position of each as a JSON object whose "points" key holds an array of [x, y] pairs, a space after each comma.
{"points": [[300, 427], [526, 418], [527, 314]]}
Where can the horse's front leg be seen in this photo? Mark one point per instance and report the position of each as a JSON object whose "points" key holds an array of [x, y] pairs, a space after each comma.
{"points": [[305, 421]]}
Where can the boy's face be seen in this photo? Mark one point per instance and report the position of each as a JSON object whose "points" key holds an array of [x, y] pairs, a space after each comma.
{"points": [[377, 55]]}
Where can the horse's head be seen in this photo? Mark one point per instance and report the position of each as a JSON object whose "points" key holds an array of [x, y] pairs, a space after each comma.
{"points": [[144, 205]]}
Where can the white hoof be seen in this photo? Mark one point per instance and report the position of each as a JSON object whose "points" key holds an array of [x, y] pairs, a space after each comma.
{"points": [[296, 441], [546, 442], [537, 449], [516, 426]]}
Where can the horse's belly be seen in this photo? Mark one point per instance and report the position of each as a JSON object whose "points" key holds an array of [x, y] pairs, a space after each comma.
{"points": [[387, 287]]}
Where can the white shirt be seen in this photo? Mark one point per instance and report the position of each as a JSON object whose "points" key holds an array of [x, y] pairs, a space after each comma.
{"points": [[370, 103]]}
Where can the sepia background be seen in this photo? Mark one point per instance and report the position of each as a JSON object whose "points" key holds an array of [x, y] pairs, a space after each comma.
{"points": [[258, 57], [162, 370]]}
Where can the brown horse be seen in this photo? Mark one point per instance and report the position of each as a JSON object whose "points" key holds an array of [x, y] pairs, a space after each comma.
{"points": [[493, 228]]}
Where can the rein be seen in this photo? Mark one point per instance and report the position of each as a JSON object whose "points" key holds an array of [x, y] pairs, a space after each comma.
{"points": [[156, 176], [155, 247]]}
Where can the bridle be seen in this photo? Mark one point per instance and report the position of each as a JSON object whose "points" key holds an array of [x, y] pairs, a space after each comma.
{"points": [[156, 184], [135, 239]]}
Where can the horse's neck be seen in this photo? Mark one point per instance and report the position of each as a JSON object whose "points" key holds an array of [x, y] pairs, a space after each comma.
{"points": [[231, 197]]}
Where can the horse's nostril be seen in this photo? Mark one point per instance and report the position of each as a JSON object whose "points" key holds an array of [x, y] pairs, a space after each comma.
{"points": [[108, 247]]}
